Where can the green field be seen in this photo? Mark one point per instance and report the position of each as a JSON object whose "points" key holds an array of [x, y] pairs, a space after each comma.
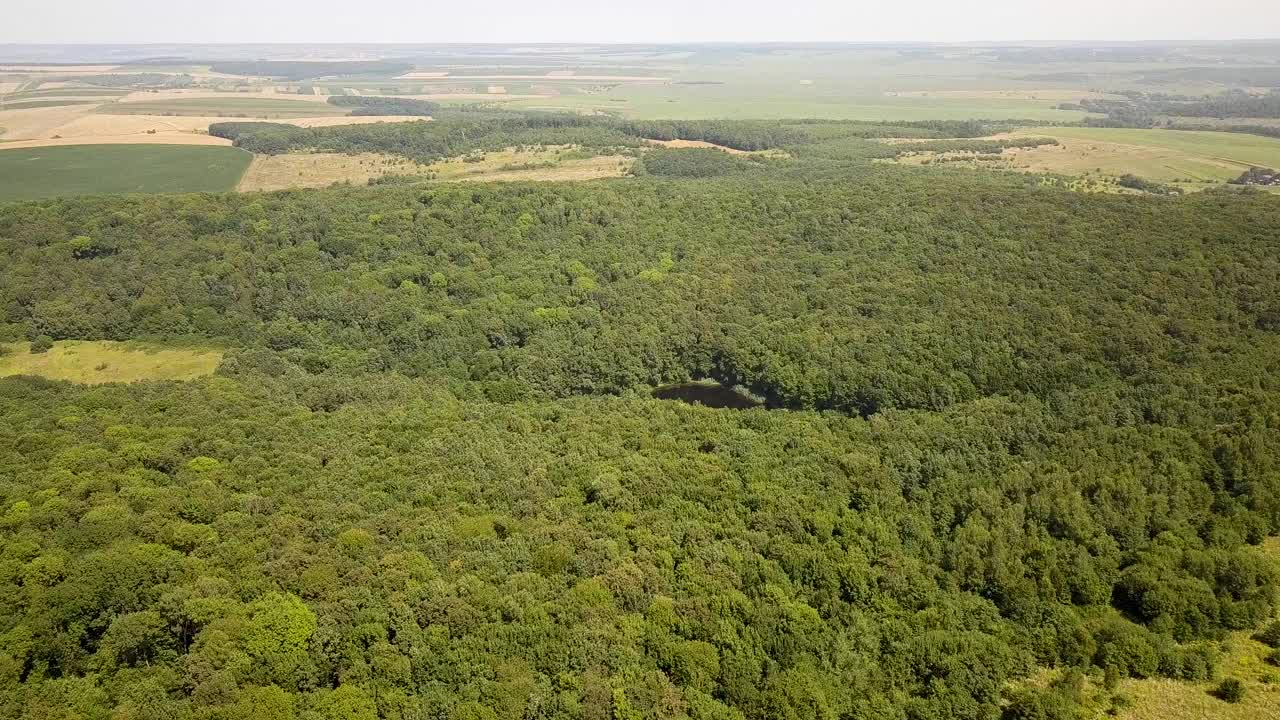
{"points": [[705, 102], [33, 104], [102, 361], [31, 173], [1163, 155], [230, 106], [76, 92]]}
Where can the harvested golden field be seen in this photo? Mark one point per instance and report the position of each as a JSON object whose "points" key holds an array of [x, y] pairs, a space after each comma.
{"points": [[158, 96], [310, 122], [33, 123], [159, 138], [695, 144], [308, 170], [79, 124], [98, 129], [103, 361]]}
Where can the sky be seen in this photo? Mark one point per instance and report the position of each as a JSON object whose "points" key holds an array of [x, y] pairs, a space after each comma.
{"points": [[528, 21]]}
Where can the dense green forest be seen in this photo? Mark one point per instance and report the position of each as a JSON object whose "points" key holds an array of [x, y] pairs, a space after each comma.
{"points": [[1180, 112], [377, 105], [1006, 427], [456, 132]]}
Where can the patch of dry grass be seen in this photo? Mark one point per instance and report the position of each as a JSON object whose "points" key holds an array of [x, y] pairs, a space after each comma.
{"points": [[550, 163], [679, 144], [309, 170], [103, 361], [1099, 156]]}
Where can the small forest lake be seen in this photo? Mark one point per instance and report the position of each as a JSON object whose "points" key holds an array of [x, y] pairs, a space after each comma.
{"points": [[708, 393]]}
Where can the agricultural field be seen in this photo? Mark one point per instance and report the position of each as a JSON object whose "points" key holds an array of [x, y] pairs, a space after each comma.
{"points": [[93, 362], [1187, 159], [82, 125], [707, 102], [31, 173], [230, 106]]}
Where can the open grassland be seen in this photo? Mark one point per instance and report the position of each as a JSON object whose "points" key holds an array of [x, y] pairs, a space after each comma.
{"points": [[1243, 659], [230, 106], [27, 174], [1163, 699], [548, 164], [708, 102], [105, 361], [302, 170], [1191, 160]]}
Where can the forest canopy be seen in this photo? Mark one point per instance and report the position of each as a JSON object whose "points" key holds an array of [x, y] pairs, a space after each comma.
{"points": [[1010, 428]]}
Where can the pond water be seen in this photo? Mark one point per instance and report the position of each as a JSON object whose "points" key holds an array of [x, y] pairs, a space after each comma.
{"points": [[708, 393]]}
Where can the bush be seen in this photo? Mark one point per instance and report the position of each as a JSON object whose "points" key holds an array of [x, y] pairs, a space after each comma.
{"points": [[1270, 635], [1230, 690], [41, 344]]}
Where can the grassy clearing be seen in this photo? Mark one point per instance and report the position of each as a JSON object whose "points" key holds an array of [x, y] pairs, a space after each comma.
{"points": [[104, 361], [301, 170], [546, 164], [1243, 659], [1190, 160], [32, 173], [230, 106], [1201, 155], [1160, 699]]}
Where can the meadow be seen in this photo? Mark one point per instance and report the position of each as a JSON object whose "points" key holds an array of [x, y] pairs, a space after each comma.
{"points": [[538, 164], [31, 173], [1187, 159], [93, 362], [303, 170], [707, 102]]}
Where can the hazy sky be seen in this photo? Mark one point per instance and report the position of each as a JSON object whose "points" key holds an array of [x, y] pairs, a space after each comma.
{"points": [[428, 21]]}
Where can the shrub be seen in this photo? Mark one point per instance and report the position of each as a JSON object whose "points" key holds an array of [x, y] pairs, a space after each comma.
{"points": [[1270, 635], [1230, 690], [41, 344]]}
